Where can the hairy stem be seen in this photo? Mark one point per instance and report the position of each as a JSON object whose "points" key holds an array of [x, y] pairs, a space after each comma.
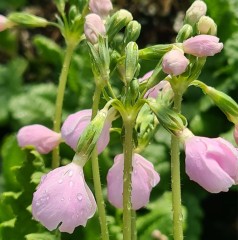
{"points": [[96, 175], [175, 178], [60, 98], [128, 153]]}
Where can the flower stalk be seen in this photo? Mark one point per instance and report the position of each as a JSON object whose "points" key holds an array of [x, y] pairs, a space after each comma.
{"points": [[96, 174], [128, 153], [175, 178], [60, 99]]}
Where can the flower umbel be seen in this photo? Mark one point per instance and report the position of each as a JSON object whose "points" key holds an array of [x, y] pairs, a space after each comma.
{"points": [[144, 178], [38, 136], [211, 162], [63, 199]]}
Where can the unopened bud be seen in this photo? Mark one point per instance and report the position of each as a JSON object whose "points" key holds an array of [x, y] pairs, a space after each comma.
{"points": [[27, 19], [101, 7], [119, 20], [195, 12], [93, 27], [131, 61], [132, 32], [169, 119], [174, 62], [206, 25], [184, 33]]}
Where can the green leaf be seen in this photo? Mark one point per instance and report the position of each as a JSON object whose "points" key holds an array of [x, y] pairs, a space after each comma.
{"points": [[48, 50], [41, 236], [10, 84], [12, 156], [35, 105]]}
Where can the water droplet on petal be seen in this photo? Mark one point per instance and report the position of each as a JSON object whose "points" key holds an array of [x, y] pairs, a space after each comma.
{"points": [[79, 196], [71, 183], [62, 199], [60, 181], [70, 173]]}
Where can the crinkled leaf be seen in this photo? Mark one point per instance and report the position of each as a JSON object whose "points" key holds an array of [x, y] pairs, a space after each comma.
{"points": [[35, 105], [10, 83]]}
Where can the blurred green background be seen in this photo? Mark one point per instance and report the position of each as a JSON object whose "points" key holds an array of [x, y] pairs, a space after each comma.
{"points": [[30, 62]]}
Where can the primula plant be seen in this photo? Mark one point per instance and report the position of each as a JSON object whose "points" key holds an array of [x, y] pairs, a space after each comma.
{"points": [[58, 187]]}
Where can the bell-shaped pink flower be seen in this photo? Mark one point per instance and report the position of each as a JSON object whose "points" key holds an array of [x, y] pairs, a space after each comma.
{"points": [[74, 126], [63, 199], [3, 23], [101, 7], [202, 45], [235, 133], [38, 136], [174, 62], [144, 178], [93, 27], [212, 163]]}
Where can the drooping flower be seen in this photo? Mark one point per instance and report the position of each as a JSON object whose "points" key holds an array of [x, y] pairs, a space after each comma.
{"points": [[93, 27], [202, 45], [63, 199], [74, 126], [174, 62], [144, 178], [211, 162], [38, 136], [101, 7]]}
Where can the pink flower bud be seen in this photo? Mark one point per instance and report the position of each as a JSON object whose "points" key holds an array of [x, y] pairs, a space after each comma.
{"points": [[212, 163], [38, 136], [93, 27], [236, 133], [163, 86], [3, 23], [174, 62], [144, 178], [100, 7], [74, 126], [146, 76], [64, 198], [202, 45]]}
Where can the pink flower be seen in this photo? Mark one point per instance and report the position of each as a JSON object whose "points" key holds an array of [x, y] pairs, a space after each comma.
{"points": [[38, 136], [174, 62], [236, 133], [63, 198], [162, 86], [74, 126], [212, 163], [144, 178], [202, 45], [3, 23], [100, 7], [146, 76], [93, 27]]}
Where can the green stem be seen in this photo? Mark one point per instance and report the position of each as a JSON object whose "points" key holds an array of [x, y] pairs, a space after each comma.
{"points": [[128, 152], [175, 178], [60, 98], [133, 225], [96, 175]]}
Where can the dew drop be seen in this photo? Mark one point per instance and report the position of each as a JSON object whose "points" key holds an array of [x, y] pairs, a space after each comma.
{"points": [[60, 181], [79, 196], [62, 199], [70, 174], [71, 183]]}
